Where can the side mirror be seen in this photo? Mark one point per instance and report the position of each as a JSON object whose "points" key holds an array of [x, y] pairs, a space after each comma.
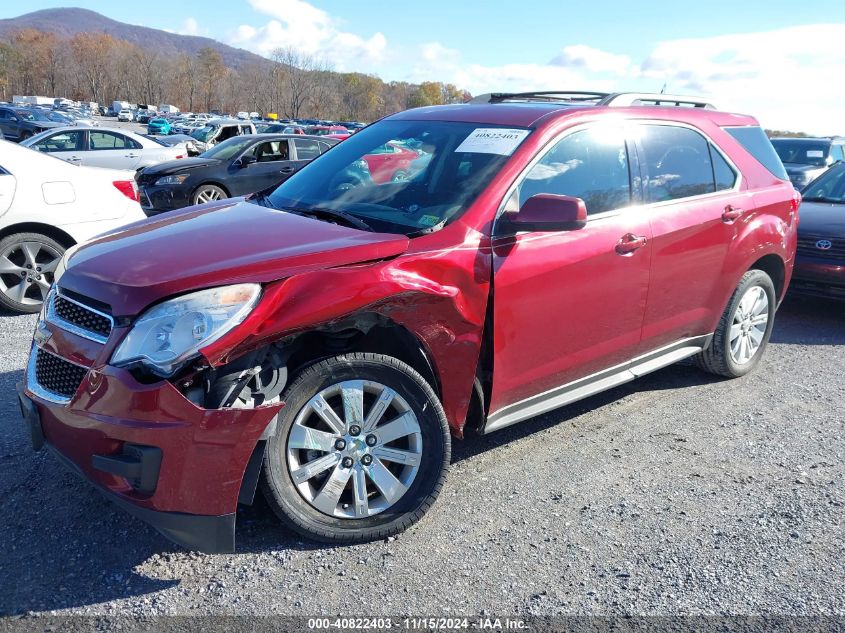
{"points": [[550, 212], [246, 161], [13, 118]]}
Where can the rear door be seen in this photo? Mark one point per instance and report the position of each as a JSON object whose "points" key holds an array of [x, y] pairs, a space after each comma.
{"points": [[112, 150], [569, 304], [306, 150], [693, 202]]}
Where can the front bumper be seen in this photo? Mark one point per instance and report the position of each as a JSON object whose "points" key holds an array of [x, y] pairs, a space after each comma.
{"points": [[191, 494], [818, 277], [159, 199]]}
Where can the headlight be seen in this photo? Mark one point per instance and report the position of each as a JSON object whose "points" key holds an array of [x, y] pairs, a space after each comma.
{"points": [[168, 335], [172, 180]]}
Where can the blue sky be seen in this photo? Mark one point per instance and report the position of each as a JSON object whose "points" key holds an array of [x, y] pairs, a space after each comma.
{"points": [[779, 60]]}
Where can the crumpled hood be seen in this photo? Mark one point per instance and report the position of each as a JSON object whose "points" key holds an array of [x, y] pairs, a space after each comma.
{"points": [[213, 245]]}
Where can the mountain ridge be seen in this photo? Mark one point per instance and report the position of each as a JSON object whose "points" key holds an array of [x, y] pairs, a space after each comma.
{"points": [[68, 21]]}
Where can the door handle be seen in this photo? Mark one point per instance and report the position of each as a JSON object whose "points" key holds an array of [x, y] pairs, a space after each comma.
{"points": [[74, 159], [131, 155], [286, 170], [731, 213], [629, 243]]}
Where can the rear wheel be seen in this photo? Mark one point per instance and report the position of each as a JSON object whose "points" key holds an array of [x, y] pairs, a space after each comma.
{"points": [[208, 193], [744, 329], [27, 264], [360, 450]]}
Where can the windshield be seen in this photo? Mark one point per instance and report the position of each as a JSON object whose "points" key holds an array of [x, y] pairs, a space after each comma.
{"points": [[802, 152], [204, 133], [228, 148], [402, 176], [829, 187], [32, 115]]}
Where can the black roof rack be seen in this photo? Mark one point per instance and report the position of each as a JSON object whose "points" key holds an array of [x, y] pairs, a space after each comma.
{"points": [[571, 96], [614, 99]]}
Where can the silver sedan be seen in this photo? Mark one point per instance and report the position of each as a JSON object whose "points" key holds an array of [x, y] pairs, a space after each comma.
{"points": [[103, 147]]}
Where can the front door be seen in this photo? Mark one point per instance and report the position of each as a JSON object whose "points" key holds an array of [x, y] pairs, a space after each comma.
{"points": [[272, 165], [568, 304]]}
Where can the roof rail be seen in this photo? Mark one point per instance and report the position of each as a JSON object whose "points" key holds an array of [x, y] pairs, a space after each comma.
{"points": [[624, 99], [569, 96]]}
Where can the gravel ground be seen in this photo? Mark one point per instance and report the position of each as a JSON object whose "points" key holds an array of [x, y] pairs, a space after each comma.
{"points": [[676, 494]]}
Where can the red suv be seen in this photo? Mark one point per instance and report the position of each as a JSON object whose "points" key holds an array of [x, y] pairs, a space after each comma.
{"points": [[326, 341]]}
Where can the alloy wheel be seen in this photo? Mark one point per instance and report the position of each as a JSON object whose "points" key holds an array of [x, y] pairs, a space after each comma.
{"points": [[26, 271], [749, 324], [354, 449]]}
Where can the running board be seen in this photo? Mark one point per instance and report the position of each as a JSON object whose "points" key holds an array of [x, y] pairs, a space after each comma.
{"points": [[596, 383]]}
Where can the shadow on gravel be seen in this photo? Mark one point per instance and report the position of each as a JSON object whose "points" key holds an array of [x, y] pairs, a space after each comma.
{"points": [[810, 321], [674, 377]]}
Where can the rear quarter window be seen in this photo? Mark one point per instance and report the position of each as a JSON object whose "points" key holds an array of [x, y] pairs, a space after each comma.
{"points": [[756, 143]]}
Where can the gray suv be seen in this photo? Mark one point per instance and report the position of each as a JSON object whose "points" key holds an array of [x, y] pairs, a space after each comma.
{"points": [[806, 159]]}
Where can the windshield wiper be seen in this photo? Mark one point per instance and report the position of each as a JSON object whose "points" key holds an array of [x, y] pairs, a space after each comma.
{"points": [[823, 199], [326, 212]]}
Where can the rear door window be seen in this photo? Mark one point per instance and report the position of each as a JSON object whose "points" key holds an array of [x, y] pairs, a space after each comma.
{"points": [[677, 163], [110, 140], [587, 164], [306, 148], [837, 152], [756, 143]]}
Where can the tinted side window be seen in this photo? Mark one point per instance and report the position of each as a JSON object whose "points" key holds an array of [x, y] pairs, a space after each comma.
{"points": [[586, 164], [677, 163], [756, 143], [723, 173], [837, 152], [306, 149]]}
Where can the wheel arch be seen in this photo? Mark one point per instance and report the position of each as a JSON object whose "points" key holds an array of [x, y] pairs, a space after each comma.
{"points": [[211, 182], [774, 266], [52, 232], [365, 332]]}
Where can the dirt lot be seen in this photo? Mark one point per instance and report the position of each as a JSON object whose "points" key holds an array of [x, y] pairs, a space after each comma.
{"points": [[676, 494]]}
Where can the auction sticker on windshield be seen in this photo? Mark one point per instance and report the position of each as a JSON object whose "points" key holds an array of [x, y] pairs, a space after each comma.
{"points": [[492, 140]]}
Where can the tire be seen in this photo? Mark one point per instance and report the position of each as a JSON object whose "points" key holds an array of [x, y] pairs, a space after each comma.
{"points": [[208, 193], [302, 505], [724, 357], [27, 264], [24, 136]]}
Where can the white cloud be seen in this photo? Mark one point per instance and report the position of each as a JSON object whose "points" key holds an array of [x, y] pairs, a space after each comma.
{"points": [[788, 78], [189, 26], [312, 31], [593, 60]]}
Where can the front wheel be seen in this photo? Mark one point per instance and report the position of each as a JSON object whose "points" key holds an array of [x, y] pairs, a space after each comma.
{"points": [[27, 264], [208, 193], [360, 450], [744, 329]]}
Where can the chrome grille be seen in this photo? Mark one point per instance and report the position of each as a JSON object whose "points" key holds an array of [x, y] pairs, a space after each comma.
{"points": [[57, 375], [808, 245], [78, 318]]}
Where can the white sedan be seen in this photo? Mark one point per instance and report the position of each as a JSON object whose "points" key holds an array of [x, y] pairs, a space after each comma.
{"points": [[47, 206], [103, 147]]}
